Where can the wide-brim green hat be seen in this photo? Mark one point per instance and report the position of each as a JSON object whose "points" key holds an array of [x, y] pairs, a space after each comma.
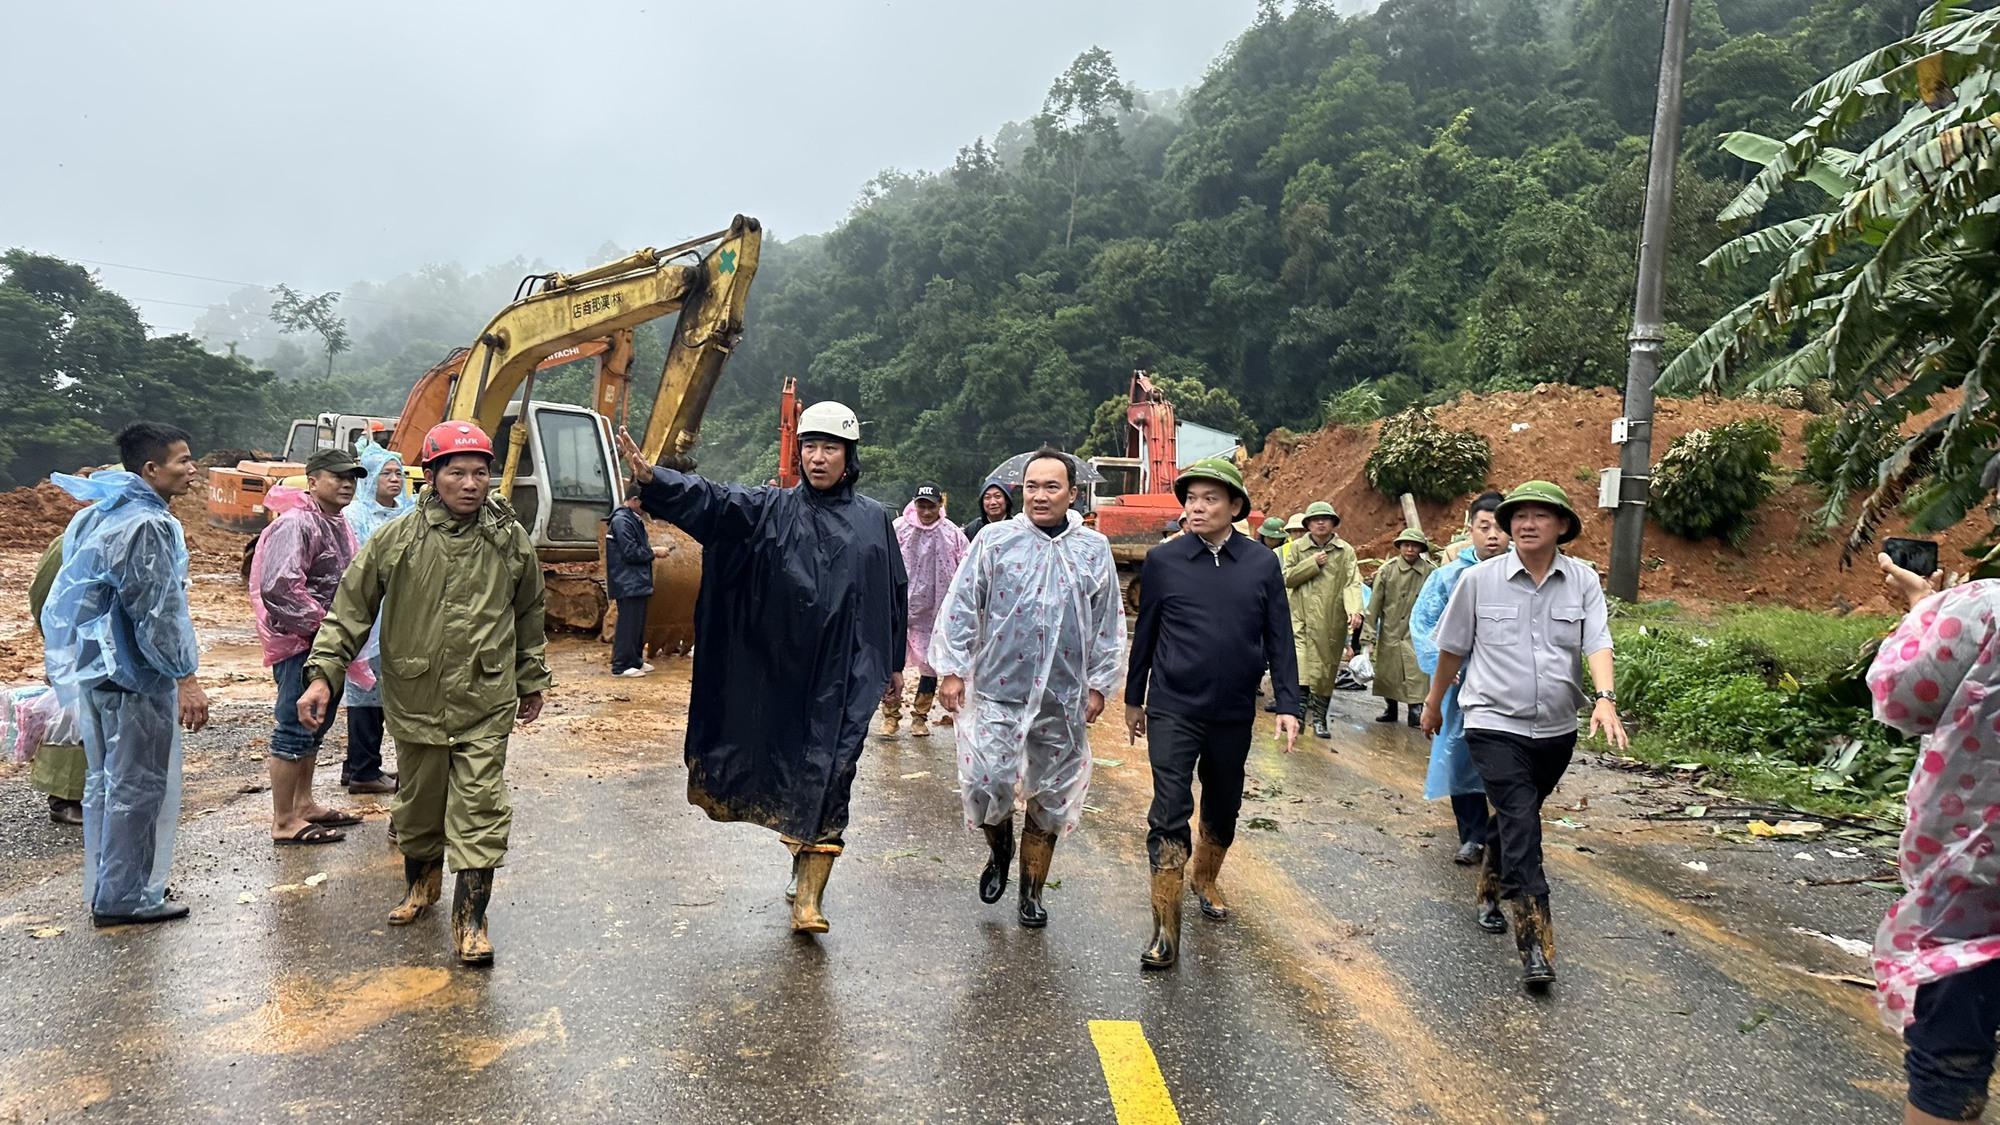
{"points": [[1274, 528], [1412, 535], [1321, 508], [1220, 470], [1547, 493]]}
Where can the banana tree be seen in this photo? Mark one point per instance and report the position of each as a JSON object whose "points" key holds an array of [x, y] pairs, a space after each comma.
{"points": [[1891, 294]]}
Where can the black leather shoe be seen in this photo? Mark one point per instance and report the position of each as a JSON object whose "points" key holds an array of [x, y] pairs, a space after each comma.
{"points": [[1469, 855], [1491, 918], [166, 913]]}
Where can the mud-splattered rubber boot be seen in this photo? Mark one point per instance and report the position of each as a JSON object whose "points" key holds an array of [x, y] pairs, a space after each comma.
{"points": [[892, 717], [920, 715], [792, 884], [1166, 946], [999, 861], [469, 897], [426, 885], [1534, 936], [1201, 879], [1316, 704], [1490, 917], [1037, 850], [814, 867]]}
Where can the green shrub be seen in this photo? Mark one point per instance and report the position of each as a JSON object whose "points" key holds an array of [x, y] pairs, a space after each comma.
{"points": [[1358, 405], [1710, 481], [1428, 461]]}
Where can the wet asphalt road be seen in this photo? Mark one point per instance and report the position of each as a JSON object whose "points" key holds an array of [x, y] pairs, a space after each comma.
{"points": [[646, 970]]}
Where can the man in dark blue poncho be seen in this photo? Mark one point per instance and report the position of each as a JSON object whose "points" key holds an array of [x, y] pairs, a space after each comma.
{"points": [[799, 635]]}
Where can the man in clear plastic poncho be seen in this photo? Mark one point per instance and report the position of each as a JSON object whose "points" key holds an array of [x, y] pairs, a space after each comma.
{"points": [[1036, 622], [382, 496], [120, 650], [932, 548]]}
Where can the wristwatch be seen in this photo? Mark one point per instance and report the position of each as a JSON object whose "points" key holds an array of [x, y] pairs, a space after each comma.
{"points": [[1610, 696]]}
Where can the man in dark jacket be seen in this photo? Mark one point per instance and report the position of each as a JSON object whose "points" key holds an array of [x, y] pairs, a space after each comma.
{"points": [[799, 634], [1212, 616], [996, 505], [628, 572]]}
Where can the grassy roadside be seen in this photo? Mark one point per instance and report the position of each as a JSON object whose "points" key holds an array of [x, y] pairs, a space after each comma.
{"points": [[1766, 704]]}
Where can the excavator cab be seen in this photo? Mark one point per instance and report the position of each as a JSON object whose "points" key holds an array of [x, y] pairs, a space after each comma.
{"points": [[566, 479]]}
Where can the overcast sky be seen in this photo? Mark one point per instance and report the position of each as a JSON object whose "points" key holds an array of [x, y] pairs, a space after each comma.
{"points": [[321, 143]]}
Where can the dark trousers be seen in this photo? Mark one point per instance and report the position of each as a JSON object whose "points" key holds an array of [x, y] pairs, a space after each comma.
{"points": [[364, 745], [1469, 809], [1182, 750], [1949, 1059], [628, 640], [1520, 773]]}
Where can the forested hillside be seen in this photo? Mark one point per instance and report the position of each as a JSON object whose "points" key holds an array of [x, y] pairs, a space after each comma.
{"points": [[1346, 213]]}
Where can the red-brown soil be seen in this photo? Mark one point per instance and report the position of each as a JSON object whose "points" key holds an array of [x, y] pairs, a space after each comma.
{"points": [[31, 517], [1568, 440]]}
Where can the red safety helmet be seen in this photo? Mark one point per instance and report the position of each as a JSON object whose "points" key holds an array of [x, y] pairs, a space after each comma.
{"points": [[448, 438]]}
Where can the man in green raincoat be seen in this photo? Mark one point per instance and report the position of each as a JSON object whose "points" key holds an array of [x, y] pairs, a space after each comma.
{"points": [[1398, 679], [458, 590], [1323, 577], [58, 769]]}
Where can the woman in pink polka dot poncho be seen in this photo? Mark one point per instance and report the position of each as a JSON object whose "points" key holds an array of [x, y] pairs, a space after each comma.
{"points": [[1938, 676]]}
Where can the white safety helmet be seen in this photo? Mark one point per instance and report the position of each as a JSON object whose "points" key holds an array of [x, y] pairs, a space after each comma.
{"points": [[829, 419]]}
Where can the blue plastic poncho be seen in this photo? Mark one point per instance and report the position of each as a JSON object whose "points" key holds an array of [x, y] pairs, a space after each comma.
{"points": [[365, 516], [117, 638], [1451, 773]]}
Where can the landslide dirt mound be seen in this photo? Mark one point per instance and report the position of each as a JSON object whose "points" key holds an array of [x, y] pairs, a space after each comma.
{"points": [[1566, 439], [31, 517]]}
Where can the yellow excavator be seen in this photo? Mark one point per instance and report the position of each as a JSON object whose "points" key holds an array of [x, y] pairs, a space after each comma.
{"points": [[558, 465]]}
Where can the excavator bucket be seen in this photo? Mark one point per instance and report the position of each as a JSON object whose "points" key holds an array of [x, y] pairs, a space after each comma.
{"points": [[676, 580]]}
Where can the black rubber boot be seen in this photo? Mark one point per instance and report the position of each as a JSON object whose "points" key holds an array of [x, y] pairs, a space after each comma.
{"points": [[425, 879], [1000, 857], [1316, 704], [1534, 936], [1037, 850], [1490, 918], [1388, 714], [469, 897], [1416, 715], [1166, 946]]}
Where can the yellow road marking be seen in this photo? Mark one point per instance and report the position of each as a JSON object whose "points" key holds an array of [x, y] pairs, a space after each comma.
{"points": [[1138, 1092]]}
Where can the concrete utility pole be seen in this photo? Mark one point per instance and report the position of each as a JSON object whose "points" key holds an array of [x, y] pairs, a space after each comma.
{"points": [[1648, 332]]}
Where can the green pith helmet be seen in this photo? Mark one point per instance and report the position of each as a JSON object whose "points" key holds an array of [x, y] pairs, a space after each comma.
{"points": [[1543, 492], [1412, 535], [1321, 508], [1274, 528], [1221, 471]]}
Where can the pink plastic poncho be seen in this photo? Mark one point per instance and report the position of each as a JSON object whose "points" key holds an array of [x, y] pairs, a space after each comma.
{"points": [[300, 558], [1936, 676], [931, 555]]}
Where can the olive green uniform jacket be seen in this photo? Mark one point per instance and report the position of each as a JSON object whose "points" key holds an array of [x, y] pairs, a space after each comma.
{"points": [[462, 632], [59, 767], [1397, 584], [1322, 599]]}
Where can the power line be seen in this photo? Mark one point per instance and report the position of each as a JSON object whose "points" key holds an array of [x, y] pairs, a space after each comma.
{"points": [[205, 277]]}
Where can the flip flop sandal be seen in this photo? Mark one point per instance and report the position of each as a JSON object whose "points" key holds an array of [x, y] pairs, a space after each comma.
{"points": [[335, 819], [311, 834]]}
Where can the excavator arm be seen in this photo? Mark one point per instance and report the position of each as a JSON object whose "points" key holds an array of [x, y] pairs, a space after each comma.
{"points": [[567, 311]]}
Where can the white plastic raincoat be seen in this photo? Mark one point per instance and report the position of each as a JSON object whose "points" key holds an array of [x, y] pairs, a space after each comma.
{"points": [[1033, 623], [365, 516], [931, 556], [117, 639]]}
